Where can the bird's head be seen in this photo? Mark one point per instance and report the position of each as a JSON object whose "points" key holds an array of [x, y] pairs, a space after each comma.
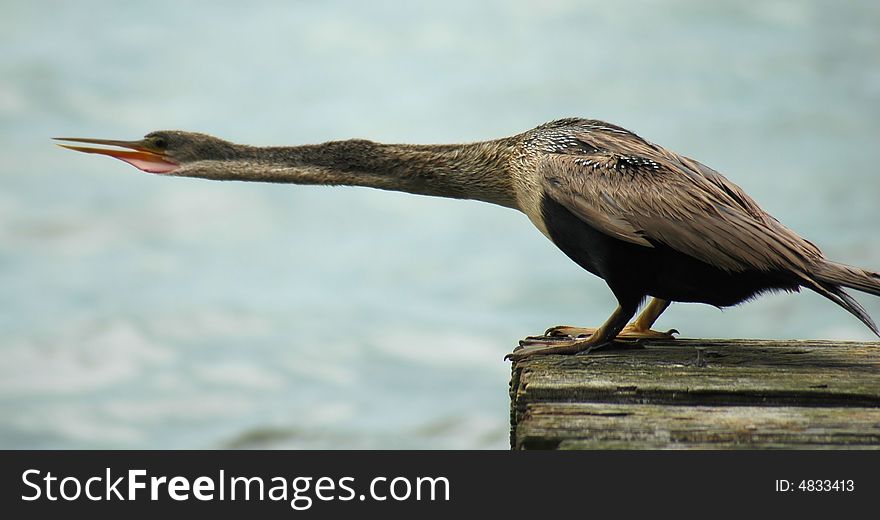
{"points": [[166, 151]]}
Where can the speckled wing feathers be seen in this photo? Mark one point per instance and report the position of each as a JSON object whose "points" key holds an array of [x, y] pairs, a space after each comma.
{"points": [[635, 191]]}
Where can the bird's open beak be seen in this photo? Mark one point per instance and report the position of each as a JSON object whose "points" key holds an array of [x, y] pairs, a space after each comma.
{"points": [[137, 153]]}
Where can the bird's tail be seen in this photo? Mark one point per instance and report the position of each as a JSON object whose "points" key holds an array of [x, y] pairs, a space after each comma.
{"points": [[830, 278], [847, 276]]}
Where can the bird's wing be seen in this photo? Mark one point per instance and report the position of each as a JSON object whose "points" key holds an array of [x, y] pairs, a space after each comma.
{"points": [[653, 197]]}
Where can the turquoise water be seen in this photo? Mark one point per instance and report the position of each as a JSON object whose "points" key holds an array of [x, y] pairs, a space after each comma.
{"points": [[147, 312]]}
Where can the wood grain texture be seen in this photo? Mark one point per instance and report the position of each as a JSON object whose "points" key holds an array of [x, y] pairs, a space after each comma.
{"points": [[701, 394]]}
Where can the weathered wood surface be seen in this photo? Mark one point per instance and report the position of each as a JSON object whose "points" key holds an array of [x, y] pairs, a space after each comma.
{"points": [[691, 393]]}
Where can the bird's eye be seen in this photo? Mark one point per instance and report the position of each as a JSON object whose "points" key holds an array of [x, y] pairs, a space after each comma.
{"points": [[160, 142]]}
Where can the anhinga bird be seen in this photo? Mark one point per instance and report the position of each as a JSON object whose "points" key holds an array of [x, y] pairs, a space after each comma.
{"points": [[648, 221]]}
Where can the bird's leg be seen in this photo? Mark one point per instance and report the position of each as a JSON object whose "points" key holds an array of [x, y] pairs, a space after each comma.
{"points": [[603, 337], [640, 328]]}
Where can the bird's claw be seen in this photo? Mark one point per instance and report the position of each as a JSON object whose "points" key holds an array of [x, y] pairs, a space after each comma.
{"points": [[566, 331]]}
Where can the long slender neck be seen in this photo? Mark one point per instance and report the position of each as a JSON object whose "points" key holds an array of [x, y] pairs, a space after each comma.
{"points": [[477, 171]]}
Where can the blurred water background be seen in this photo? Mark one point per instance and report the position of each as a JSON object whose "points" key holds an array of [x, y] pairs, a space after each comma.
{"points": [[146, 312]]}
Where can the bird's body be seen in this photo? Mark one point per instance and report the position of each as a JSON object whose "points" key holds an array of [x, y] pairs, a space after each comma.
{"points": [[607, 197], [648, 221]]}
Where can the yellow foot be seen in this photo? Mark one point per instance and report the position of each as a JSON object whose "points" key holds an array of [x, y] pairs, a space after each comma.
{"points": [[631, 331], [554, 346]]}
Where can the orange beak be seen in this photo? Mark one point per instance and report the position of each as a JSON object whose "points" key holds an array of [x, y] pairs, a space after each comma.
{"points": [[137, 154]]}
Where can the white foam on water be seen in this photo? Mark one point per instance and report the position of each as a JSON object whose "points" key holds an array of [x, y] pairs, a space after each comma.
{"points": [[85, 359], [240, 375], [439, 348]]}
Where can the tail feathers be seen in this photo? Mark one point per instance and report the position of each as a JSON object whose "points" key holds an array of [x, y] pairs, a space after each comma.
{"points": [[836, 294], [847, 276]]}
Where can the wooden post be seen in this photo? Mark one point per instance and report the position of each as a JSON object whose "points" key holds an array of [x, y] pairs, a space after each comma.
{"points": [[692, 393]]}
